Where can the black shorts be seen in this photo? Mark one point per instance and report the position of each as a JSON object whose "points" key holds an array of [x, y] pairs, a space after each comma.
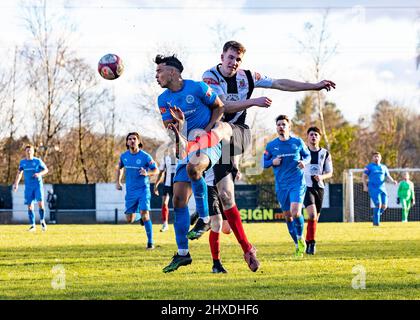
{"points": [[239, 142], [314, 196], [168, 190], [215, 205]]}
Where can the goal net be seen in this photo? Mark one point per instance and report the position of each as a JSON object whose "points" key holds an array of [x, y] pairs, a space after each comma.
{"points": [[358, 207]]}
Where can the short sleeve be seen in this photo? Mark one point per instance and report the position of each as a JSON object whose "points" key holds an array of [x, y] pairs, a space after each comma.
{"points": [[164, 108]]}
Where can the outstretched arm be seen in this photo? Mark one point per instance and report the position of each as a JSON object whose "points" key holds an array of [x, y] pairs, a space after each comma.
{"points": [[291, 85], [237, 106]]}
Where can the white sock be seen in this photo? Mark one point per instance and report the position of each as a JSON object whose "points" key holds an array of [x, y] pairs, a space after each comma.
{"points": [[182, 252], [206, 219]]}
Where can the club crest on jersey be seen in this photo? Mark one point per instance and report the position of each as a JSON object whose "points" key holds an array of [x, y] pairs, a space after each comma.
{"points": [[138, 161], [242, 83], [189, 99]]}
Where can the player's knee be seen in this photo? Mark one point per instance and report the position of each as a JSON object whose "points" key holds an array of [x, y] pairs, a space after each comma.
{"points": [[288, 216], [226, 229], [194, 171], [216, 223], [145, 216], [227, 198], [179, 201]]}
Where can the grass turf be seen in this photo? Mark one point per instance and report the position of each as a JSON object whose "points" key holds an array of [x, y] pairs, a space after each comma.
{"points": [[111, 262]]}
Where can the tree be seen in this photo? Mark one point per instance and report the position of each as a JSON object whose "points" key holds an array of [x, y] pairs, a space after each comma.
{"points": [[318, 46], [10, 124], [46, 56], [86, 97]]}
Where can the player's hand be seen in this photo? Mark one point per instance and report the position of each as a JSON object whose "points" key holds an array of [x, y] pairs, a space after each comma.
{"points": [[395, 182], [15, 187], [301, 165], [318, 178], [156, 191], [177, 114], [263, 102], [277, 161], [326, 84], [36, 175], [365, 188], [118, 186], [238, 176], [143, 172]]}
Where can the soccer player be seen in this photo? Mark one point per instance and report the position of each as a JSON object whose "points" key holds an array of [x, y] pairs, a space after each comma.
{"points": [[167, 172], [32, 169], [138, 165], [234, 86], [406, 195], [201, 109], [319, 169], [377, 173], [288, 156]]}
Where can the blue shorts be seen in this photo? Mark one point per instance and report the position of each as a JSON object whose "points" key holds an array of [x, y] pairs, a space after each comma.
{"points": [[378, 196], [34, 193], [294, 194], [137, 200], [214, 154]]}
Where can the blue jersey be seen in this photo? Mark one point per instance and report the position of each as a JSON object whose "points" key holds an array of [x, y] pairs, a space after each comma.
{"points": [[377, 174], [194, 99], [29, 168], [133, 162], [287, 174]]}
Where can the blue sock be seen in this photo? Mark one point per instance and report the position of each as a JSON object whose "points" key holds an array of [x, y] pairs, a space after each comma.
{"points": [[149, 230], [181, 225], [199, 188], [299, 223], [41, 214], [292, 232], [31, 216], [376, 215]]}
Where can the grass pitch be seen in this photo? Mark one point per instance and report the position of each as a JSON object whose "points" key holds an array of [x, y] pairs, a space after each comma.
{"points": [[111, 262]]}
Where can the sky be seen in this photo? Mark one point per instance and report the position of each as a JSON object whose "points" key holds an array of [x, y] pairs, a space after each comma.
{"points": [[374, 59]]}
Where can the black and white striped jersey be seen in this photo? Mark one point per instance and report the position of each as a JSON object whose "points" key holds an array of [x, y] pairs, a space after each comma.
{"points": [[321, 163], [236, 88]]}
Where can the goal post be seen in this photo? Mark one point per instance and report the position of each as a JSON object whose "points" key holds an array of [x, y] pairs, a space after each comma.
{"points": [[357, 206]]}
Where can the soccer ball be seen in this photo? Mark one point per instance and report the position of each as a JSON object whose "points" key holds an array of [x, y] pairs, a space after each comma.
{"points": [[110, 66]]}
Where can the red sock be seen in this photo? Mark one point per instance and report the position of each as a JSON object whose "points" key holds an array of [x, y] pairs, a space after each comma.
{"points": [[207, 140], [214, 240], [235, 222], [311, 230], [165, 213]]}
